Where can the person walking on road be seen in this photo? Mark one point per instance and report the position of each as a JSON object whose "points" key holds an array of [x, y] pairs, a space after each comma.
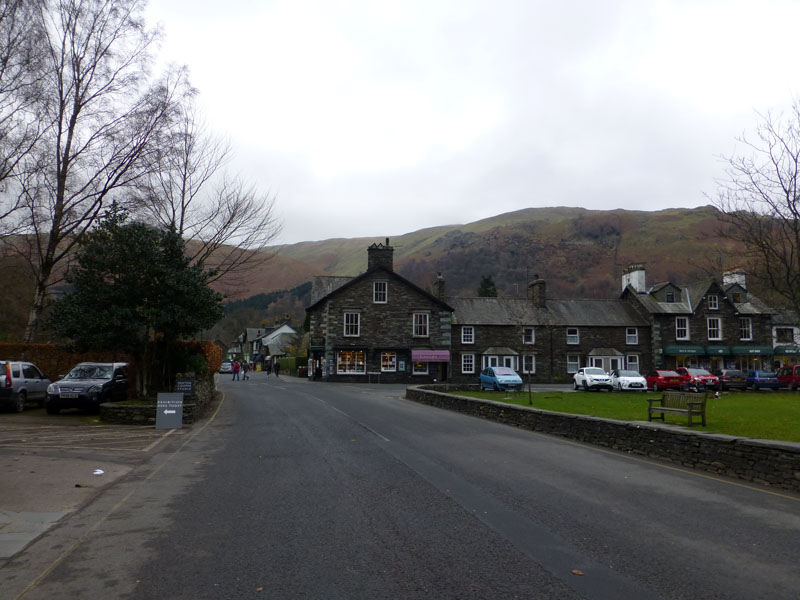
{"points": [[277, 368], [235, 368], [245, 370]]}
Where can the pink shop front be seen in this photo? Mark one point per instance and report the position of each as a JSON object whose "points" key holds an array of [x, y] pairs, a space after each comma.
{"points": [[386, 365]]}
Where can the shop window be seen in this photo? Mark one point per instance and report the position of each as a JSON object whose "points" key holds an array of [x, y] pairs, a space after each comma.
{"points": [[419, 368], [350, 362], [388, 362]]}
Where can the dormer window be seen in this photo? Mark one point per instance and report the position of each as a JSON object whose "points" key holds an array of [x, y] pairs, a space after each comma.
{"points": [[713, 302], [736, 298], [670, 296]]}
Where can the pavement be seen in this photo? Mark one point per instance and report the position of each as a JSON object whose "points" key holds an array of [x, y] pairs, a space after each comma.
{"points": [[53, 465]]}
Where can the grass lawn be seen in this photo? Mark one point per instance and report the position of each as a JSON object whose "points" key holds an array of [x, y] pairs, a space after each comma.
{"points": [[765, 415]]}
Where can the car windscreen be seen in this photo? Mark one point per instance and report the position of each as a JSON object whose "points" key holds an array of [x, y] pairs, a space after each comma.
{"points": [[90, 372], [504, 371], [698, 372], [628, 374], [594, 371], [767, 374], [667, 374]]}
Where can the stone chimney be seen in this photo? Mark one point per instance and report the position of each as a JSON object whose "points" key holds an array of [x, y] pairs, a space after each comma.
{"points": [[734, 276], [438, 286], [633, 275], [380, 255], [537, 292]]}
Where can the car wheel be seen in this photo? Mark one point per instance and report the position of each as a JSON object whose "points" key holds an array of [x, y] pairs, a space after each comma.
{"points": [[585, 386], [755, 387], [19, 402], [619, 387], [655, 387], [496, 387]]}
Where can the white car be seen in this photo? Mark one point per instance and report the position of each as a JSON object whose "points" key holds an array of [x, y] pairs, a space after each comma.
{"points": [[591, 378], [628, 380]]}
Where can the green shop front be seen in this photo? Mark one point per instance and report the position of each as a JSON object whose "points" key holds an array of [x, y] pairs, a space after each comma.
{"points": [[714, 357]]}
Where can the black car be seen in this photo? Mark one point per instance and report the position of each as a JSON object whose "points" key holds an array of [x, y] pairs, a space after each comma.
{"points": [[731, 379], [88, 385]]}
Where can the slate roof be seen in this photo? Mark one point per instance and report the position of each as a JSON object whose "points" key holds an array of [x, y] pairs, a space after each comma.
{"points": [[521, 311], [323, 285]]}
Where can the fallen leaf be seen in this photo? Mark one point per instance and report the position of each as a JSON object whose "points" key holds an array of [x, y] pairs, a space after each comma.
{"points": [[78, 485], [259, 589], [577, 572]]}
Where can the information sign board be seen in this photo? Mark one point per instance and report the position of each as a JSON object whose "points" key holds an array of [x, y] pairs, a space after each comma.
{"points": [[169, 410]]}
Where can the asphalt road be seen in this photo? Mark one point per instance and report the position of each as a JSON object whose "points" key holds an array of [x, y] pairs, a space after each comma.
{"points": [[297, 489]]}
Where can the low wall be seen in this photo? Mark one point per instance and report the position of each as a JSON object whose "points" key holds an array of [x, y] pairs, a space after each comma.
{"points": [[765, 462], [145, 414]]}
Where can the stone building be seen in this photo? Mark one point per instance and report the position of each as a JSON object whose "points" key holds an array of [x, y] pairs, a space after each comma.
{"points": [[378, 326], [706, 324]]}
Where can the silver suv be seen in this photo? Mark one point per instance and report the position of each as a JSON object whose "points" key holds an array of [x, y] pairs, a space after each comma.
{"points": [[21, 382]]}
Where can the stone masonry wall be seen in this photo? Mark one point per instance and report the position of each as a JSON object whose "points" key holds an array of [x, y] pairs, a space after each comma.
{"points": [[765, 462]]}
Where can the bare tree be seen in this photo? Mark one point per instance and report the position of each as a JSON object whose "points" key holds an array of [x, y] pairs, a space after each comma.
{"points": [[226, 222], [103, 111], [760, 204], [20, 56]]}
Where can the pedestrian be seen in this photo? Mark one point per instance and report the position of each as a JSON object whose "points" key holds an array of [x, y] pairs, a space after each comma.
{"points": [[245, 370], [268, 367], [277, 367], [236, 367]]}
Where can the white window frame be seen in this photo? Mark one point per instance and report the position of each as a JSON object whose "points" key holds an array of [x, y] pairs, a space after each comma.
{"points": [[467, 334], [468, 363], [713, 302], [632, 362], [390, 365], [380, 291], [529, 363], [352, 324], [510, 362], [745, 328], [573, 363], [631, 336], [490, 360], [354, 371], [717, 328], [420, 324], [681, 323], [573, 339], [528, 335]]}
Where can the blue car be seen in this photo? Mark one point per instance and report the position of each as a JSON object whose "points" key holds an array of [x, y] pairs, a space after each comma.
{"points": [[762, 379], [500, 378]]}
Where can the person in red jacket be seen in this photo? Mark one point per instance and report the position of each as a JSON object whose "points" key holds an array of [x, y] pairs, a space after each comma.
{"points": [[235, 368]]}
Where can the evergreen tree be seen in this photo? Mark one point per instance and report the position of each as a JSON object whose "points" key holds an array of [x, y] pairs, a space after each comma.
{"points": [[487, 288], [132, 285]]}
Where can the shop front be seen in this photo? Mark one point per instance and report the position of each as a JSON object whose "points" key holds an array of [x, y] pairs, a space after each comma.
{"points": [[430, 363], [786, 355], [748, 358], [684, 356]]}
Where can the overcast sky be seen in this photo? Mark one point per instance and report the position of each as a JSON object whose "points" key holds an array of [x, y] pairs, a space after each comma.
{"points": [[371, 119]]}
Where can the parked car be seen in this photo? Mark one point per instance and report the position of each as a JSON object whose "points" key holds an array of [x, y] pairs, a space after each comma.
{"points": [[88, 385], [21, 382], [697, 378], [592, 378], [226, 367], [500, 378], [626, 379], [789, 377], [731, 379], [762, 379], [662, 379]]}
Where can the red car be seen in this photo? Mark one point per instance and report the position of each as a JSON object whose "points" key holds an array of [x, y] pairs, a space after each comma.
{"points": [[698, 377], [663, 380], [789, 376]]}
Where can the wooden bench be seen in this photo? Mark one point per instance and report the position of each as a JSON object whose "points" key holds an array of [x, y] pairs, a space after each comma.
{"points": [[691, 404]]}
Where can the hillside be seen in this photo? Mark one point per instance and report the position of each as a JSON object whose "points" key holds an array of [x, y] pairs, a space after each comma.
{"points": [[581, 253]]}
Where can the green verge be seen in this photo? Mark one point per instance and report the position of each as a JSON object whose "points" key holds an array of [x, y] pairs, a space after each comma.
{"points": [[766, 415]]}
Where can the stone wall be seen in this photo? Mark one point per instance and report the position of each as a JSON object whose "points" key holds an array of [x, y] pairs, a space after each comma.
{"points": [[765, 462], [145, 414]]}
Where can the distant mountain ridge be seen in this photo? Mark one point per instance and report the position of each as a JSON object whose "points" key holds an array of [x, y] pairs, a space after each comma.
{"points": [[579, 252]]}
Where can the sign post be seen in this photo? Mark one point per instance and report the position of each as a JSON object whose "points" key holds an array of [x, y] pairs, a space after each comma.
{"points": [[169, 410]]}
